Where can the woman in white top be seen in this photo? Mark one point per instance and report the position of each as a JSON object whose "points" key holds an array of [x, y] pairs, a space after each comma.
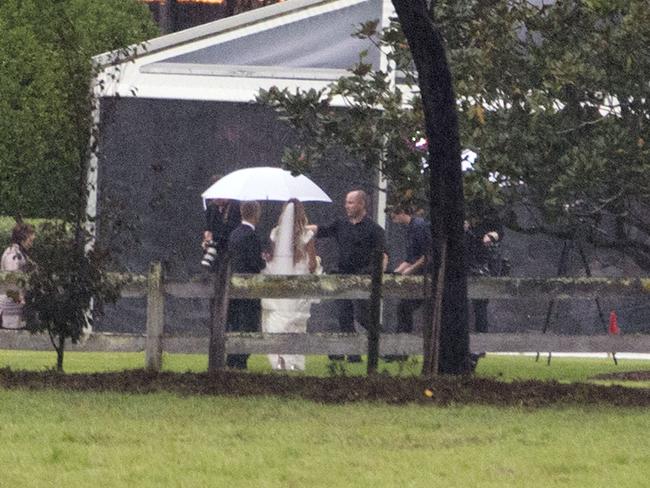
{"points": [[294, 253], [15, 258]]}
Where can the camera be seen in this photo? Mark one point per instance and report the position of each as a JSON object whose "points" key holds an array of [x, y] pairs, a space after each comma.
{"points": [[210, 254]]}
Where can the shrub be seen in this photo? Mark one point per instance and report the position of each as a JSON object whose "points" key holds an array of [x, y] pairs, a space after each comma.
{"points": [[64, 284]]}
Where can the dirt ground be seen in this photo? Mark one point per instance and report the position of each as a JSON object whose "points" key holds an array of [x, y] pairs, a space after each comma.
{"points": [[627, 376], [343, 389]]}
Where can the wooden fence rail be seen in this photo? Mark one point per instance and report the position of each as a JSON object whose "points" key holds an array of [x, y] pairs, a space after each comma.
{"points": [[330, 287], [325, 287]]}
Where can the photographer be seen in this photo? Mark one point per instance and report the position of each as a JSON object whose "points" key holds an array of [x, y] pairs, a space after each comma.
{"points": [[221, 218], [483, 234]]}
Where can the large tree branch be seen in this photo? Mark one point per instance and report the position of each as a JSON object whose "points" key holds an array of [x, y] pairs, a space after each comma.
{"points": [[581, 126]]}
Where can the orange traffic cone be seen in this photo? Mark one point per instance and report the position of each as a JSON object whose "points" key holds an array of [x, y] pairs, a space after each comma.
{"points": [[614, 329]]}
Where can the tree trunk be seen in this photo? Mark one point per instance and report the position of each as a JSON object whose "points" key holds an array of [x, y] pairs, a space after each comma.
{"points": [[434, 305], [60, 347], [446, 183]]}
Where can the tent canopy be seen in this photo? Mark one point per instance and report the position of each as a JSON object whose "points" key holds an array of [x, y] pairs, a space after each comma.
{"points": [[293, 44], [297, 43]]}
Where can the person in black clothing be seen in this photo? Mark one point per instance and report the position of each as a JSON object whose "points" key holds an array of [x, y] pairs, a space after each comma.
{"points": [[482, 240], [245, 249], [356, 236], [222, 216], [418, 247]]}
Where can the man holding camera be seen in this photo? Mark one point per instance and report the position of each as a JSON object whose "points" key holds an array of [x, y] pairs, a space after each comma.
{"points": [[483, 257], [222, 217]]}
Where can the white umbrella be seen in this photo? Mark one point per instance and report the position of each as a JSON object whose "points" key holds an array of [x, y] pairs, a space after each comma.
{"points": [[265, 183]]}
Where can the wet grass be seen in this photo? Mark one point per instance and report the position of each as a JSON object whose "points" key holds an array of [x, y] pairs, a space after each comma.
{"points": [[57, 438], [108, 424], [504, 368]]}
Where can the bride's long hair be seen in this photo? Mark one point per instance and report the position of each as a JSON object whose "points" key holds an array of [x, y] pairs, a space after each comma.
{"points": [[299, 223]]}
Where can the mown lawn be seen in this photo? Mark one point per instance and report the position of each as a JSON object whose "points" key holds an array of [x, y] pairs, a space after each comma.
{"points": [[506, 368], [73, 439], [54, 438]]}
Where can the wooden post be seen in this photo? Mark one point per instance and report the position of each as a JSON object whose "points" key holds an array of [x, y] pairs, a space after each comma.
{"points": [[218, 315], [155, 318], [374, 326], [434, 352], [433, 304], [427, 329]]}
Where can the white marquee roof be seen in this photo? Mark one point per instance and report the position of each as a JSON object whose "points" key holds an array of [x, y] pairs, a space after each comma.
{"points": [[296, 43]]}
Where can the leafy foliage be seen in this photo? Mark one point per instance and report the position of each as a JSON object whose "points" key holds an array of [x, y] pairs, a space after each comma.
{"points": [[45, 129], [63, 284], [374, 128], [555, 100], [45, 72]]}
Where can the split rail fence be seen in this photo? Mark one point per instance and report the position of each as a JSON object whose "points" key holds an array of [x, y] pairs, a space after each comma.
{"points": [[329, 287]]}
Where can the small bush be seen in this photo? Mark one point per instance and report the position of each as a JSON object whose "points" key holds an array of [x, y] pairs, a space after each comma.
{"points": [[63, 284]]}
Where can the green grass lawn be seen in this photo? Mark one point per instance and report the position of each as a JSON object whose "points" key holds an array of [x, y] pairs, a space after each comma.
{"points": [[57, 439], [54, 438], [506, 368]]}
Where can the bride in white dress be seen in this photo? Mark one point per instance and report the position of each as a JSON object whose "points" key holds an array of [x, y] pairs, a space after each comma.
{"points": [[293, 254]]}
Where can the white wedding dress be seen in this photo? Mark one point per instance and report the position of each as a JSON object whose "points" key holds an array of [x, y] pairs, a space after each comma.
{"points": [[286, 315]]}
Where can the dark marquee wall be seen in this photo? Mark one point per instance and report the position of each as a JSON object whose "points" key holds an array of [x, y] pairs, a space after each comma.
{"points": [[157, 157]]}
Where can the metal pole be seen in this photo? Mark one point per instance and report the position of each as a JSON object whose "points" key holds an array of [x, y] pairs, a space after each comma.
{"points": [[561, 271], [601, 315]]}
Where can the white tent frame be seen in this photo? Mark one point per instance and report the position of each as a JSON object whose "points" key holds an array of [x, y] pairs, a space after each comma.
{"points": [[144, 74]]}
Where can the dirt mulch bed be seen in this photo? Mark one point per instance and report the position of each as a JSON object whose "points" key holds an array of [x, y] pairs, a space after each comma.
{"points": [[626, 376], [338, 389]]}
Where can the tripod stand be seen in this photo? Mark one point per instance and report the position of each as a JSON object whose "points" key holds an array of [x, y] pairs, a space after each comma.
{"points": [[562, 270]]}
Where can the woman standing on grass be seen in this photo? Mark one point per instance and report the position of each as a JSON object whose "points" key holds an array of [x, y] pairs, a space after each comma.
{"points": [[294, 253], [15, 258]]}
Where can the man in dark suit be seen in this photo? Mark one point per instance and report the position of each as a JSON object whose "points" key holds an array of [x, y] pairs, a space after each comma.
{"points": [[245, 251]]}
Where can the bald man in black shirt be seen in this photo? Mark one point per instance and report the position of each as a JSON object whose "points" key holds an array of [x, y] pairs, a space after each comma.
{"points": [[356, 236]]}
